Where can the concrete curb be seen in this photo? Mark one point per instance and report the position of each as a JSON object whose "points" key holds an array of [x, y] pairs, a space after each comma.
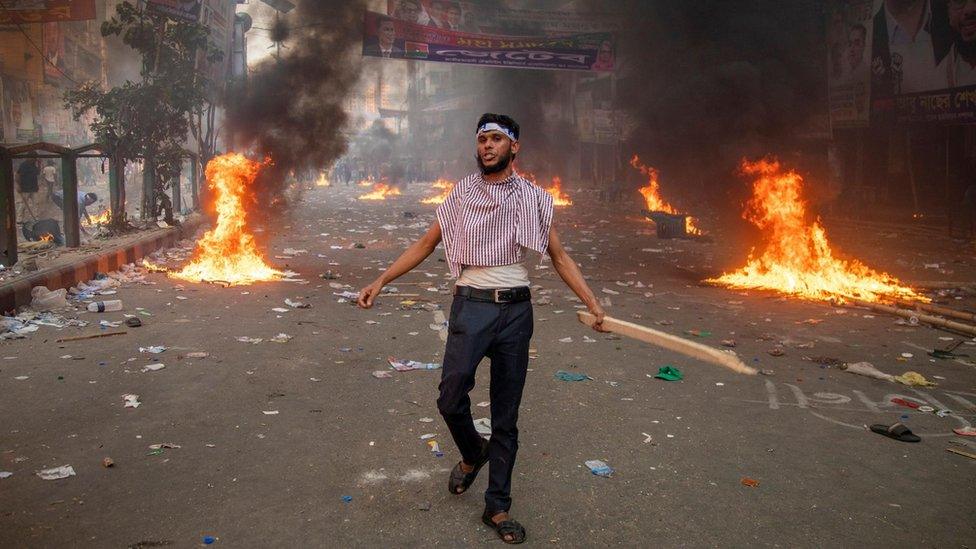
{"points": [[17, 293]]}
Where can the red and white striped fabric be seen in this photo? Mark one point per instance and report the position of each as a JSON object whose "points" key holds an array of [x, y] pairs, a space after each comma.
{"points": [[488, 224]]}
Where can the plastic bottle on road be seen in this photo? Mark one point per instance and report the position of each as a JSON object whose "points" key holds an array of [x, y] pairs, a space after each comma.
{"points": [[105, 306]]}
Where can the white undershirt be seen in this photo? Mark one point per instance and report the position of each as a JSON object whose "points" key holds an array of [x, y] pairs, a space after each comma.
{"points": [[488, 278]]}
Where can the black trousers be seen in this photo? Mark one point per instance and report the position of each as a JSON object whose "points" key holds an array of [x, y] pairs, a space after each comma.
{"points": [[501, 332]]}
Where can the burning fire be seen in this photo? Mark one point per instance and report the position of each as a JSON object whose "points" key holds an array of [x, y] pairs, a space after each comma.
{"points": [[380, 192], [322, 181], [102, 218], [797, 259], [559, 198], [652, 195], [445, 186], [228, 253], [368, 182], [47, 237]]}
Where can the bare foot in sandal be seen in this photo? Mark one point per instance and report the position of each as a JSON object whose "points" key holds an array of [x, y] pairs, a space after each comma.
{"points": [[509, 530]]}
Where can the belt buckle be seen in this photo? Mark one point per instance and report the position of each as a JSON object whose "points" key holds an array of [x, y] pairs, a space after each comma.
{"points": [[498, 298]]}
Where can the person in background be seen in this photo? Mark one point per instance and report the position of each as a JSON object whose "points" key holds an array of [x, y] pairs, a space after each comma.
{"points": [[84, 200], [50, 174], [27, 189]]}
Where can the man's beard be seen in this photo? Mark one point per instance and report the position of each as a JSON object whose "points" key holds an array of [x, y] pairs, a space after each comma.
{"points": [[500, 166]]}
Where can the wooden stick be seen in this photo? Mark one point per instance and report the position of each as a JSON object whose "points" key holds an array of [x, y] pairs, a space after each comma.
{"points": [[961, 453], [670, 342], [398, 295], [928, 319], [92, 336], [943, 311]]}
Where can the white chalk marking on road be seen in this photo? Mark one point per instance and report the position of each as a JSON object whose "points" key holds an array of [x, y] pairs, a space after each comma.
{"points": [[771, 393]]}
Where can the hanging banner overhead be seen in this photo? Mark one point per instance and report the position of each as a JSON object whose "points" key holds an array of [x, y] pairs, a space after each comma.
{"points": [[497, 18], [920, 57], [184, 10], [45, 11], [385, 36]]}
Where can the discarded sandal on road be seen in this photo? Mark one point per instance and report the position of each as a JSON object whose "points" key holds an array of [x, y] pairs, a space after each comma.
{"points": [[965, 431], [509, 531], [897, 431]]}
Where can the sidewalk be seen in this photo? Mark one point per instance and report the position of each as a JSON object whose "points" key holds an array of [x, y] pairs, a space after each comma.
{"points": [[79, 265]]}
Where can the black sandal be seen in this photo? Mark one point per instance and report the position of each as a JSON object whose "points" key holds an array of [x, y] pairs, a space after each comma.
{"points": [[462, 480], [897, 432], [505, 528]]}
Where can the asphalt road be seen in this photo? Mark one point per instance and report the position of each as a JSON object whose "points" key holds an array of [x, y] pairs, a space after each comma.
{"points": [[680, 450]]}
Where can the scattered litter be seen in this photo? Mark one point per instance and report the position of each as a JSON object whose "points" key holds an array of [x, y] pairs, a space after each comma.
{"points": [[208, 540], [965, 431], [483, 426], [5, 474], [297, 304], [108, 462], [749, 482], [382, 374], [280, 310], [166, 445], [409, 365], [728, 343], [270, 412], [347, 499], [563, 375], [131, 401], [56, 473], [907, 355], [46, 300], [281, 338], [669, 373], [599, 468], [698, 333], [155, 349], [776, 351], [251, 340], [154, 367], [566, 340], [105, 306], [197, 354], [866, 369], [647, 438], [435, 448], [133, 322], [21, 378], [914, 379]]}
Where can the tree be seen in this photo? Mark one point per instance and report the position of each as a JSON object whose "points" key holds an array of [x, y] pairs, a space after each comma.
{"points": [[150, 119]]}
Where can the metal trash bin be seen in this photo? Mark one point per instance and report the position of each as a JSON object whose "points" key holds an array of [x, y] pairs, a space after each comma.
{"points": [[669, 225]]}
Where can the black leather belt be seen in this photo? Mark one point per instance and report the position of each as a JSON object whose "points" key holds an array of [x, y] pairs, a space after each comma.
{"points": [[497, 295]]}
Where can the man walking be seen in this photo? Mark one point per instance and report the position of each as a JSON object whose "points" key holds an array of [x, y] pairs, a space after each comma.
{"points": [[486, 224]]}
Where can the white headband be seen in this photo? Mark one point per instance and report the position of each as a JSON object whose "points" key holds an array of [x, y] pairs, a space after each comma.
{"points": [[492, 126]]}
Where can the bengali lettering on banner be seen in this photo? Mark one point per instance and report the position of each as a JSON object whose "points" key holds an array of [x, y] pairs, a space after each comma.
{"points": [[399, 39], [45, 11]]}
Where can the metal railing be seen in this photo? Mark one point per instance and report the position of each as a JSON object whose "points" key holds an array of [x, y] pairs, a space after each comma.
{"points": [[69, 188]]}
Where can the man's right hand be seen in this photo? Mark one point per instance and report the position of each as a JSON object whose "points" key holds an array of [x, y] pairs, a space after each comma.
{"points": [[368, 294]]}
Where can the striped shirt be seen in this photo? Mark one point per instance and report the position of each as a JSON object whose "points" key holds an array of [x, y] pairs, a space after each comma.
{"points": [[489, 224]]}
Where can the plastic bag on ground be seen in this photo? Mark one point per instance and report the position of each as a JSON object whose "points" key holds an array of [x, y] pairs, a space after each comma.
{"points": [[46, 300]]}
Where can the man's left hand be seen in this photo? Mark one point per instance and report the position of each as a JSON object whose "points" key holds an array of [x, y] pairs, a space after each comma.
{"points": [[597, 311]]}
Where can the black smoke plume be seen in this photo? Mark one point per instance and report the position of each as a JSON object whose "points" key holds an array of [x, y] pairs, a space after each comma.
{"points": [[291, 109]]}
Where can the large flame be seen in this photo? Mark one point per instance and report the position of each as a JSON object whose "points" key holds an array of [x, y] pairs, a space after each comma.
{"points": [[559, 198], [380, 192], [228, 252], [102, 218], [445, 186], [797, 258], [652, 195]]}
